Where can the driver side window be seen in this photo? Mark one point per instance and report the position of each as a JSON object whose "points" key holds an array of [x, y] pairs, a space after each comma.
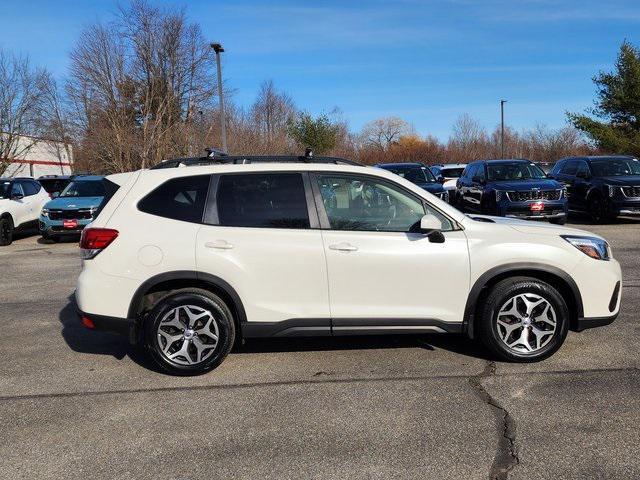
{"points": [[363, 203]]}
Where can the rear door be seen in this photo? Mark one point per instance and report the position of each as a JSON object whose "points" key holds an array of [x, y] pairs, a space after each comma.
{"points": [[382, 275], [262, 238], [19, 204]]}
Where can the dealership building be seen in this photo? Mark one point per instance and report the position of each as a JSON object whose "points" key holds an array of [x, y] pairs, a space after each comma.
{"points": [[40, 157]]}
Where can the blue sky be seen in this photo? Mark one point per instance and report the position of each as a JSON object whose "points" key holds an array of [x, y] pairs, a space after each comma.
{"points": [[425, 61]]}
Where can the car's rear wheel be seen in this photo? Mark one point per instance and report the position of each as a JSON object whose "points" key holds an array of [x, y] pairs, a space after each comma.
{"points": [[6, 231], [524, 320], [189, 332]]}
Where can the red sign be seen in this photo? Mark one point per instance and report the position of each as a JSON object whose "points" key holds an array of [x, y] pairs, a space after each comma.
{"points": [[72, 224], [537, 207]]}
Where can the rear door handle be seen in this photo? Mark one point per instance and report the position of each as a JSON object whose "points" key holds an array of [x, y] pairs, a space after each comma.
{"points": [[219, 245], [343, 247]]}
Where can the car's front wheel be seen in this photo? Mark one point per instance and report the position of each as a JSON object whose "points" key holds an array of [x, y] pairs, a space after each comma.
{"points": [[523, 320], [6, 231], [189, 332]]}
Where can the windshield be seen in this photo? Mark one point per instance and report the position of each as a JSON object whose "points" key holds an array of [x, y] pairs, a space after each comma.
{"points": [[4, 189], [615, 167], [84, 188], [415, 174], [514, 171], [451, 172]]}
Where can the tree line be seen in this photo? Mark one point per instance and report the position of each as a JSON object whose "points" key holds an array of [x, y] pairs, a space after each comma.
{"points": [[141, 89]]}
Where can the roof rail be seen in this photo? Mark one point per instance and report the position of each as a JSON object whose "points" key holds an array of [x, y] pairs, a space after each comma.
{"points": [[215, 158]]}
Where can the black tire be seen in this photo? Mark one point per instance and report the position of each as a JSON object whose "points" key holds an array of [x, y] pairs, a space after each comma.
{"points": [[558, 221], [6, 231], [202, 299], [500, 294], [598, 210]]}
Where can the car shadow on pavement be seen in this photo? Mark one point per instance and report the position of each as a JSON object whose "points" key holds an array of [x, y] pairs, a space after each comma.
{"points": [[82, 340]]}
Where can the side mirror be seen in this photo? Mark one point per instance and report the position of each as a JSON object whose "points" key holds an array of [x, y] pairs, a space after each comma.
{"points": [[55, 194], [431, 226], [17, 196], [440, 179], [582, 175], [477, 179]]}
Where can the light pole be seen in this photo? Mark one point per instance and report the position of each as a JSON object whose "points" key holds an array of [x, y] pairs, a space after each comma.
{"points": [[502, 102], [219, 49]]}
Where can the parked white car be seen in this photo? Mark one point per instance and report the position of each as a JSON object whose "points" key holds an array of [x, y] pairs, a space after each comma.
{"points": [[448, 175], [21, 200], [188, 260]]}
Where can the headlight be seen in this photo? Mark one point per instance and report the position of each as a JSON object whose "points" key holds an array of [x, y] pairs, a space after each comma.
{"points": [[563, 192], [595, 248], [612, 190], [45, 212], [499, 195], [445, 196]]}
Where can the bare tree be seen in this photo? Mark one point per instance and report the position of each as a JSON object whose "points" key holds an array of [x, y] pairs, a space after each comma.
{"points": [[383, 132], [22, 106], [271, 113], [138, 86]]}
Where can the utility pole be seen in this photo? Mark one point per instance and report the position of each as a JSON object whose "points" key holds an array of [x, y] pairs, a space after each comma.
{"points": [[502, 102], [223, 128]]}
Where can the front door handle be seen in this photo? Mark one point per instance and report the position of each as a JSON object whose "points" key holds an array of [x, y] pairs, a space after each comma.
{"points": [[219, 245], [343, 247]]}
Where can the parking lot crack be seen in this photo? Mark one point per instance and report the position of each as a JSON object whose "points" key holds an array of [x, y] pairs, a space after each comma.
{"points": [[506, 456]]}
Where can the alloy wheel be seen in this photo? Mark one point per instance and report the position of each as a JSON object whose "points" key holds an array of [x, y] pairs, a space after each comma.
{"points": [[526, 323], [188, 335]]}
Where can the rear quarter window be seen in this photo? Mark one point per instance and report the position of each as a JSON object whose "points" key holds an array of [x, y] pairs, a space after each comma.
{"points": [[179, 199]]}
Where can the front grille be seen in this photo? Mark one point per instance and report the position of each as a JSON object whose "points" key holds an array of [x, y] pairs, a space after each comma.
{"points": [[78, 214], [523, 196], [632, 192]]}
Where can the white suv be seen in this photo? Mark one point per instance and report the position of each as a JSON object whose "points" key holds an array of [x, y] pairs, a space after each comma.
{"points": [[188, 260], [21, 200]]}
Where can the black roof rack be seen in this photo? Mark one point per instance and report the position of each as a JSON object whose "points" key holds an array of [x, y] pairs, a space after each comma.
{"points": [[217, 157]]}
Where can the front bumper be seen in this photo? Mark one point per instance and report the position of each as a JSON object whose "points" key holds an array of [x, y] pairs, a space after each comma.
{"points": [[554, 209], [624, 206], [56, 227]]}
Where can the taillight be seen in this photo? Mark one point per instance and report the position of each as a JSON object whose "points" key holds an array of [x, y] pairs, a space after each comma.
{"points": [[94, 240]]}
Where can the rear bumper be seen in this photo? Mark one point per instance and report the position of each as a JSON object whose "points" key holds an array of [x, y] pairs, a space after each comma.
{"points": [[121, 326], [594, 322]]}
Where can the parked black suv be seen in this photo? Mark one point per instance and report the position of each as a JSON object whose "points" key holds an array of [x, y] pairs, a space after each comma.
{"points": [[511, 188], [604, 187], [419, 174]]}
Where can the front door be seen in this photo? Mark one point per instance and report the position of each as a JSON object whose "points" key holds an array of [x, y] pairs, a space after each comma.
{"points": [[381, 273]]}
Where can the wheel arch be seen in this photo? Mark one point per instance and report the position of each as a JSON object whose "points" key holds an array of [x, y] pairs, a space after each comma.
{"points": [[159, 285], [556, 277], [9, 216]]}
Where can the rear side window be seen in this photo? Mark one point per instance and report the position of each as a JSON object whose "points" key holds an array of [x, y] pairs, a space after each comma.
{"points": [[30, 188], [274, 200], [180, 199]]}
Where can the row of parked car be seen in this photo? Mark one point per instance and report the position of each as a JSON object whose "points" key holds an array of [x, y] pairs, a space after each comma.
{"points": [[602, 186], [57, 205]]}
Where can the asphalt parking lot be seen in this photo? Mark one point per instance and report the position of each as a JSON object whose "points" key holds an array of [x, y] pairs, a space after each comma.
{"points": [[81, 404]]}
